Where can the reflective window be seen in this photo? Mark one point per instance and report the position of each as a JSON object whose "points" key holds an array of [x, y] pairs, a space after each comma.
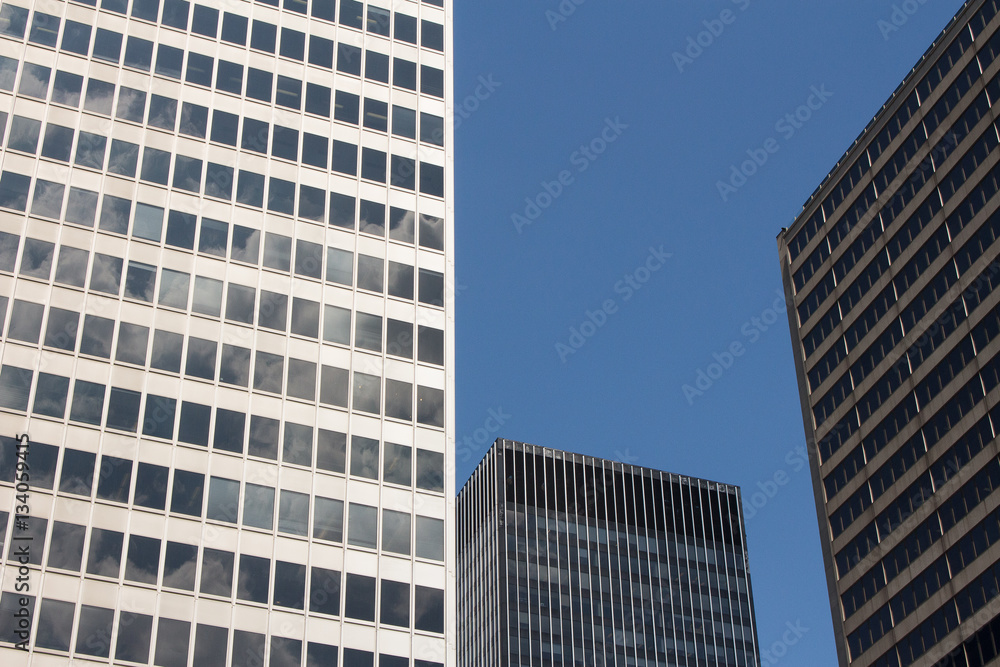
{"points": [[207, 296], [252, 583], [139, 281], [285, 144], [293, 513], [259, 84], [348, 59], [24, 134], [47, 202], [158, 422], [14, 190], [250, 189], [430, 406], [246, 244], [377, 66], [317, 101], [71, 269], [248, 648], [234, 29], [328, 519], [258, 506], [430, 538], [359, 598], [255, 135], [77, 472], [114, 479], [395, 607], [362, 526], [115, 214], [273, 313], [122, 160], [337, 325], [357, 658], [331, 450], [36, 260], [320, 52], [430, 470], [234, 367], [131, 104], [13, 20], [281, 196], [169, 61], [205, 21], [223, 500], [404, 122], [289, 93], [151, 488], [263, 437], [174, 288], [315, 150], [175, 13], [15, 383], [107, 46], [346, 107], [293, 44], [285, 652], [263, 36], [268, 372], [217, 572], [210, 645], [334, 385], [105, 554], [400, 282], [289, 585], [371, 215], [35, 533], [401, 225], [432, 129], [219, 181], [162, 112], [166, 354], [399, 338], [90, 150], [145, 9], [398, 399], [194, 119], [188, 490], [229, 426], [143, 561], [345, 158], [404, 73], [370, 273], [214, 237], [57, 143], [134, 632], [430, 346], [34, 81], [240, 303], [406, 28], [187, 174], [324, 591], [367, 393], [148, 223], [55, 623], [378, 21], [397, 465], [172, 639], [180, 229], [123, 410], [50, 395], [301, 379], [81, 207], [431, 287], [229, 79], [340, 266], [305, 318], [396, 532], [194, 424], [179, 565], [298, 443], [69, 554], [67, 87], [428, 609], [88, 403], [155, 166]]}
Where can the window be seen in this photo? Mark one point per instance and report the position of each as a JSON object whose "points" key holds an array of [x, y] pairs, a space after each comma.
{"points": [[348, 59], [214, 237], [188, 490], [248, 647], [345, 158], [373, 168], [377, 66], [240, 303], [114, 479], [66, 88], [397, 465], [370, 273], [428, 609], [400, 282], [320, 52], [179, 565], [399, 338], [331, 451], [201, 358], [367, 393], [334, 385], [431, 287], [362, 527], [47, 202], [337, 325], [430, 538], [14, 190], [81, 208], [430, 346], [36, 259], [13, 20], [134, 632], [395, 607], [172, 639], [34, 81], [167, 351], [138, 53], [205, 21], [315, 152], [404, 74], [342, 212], [223, 500], [107, 47], [252, 584], [139, 281], [285, 144], [90, 150], [143, 561], [289, 585], [346, 107], [24, 134], [298, 444], [250, 189], [77, 472], [123, 159], [368, 332], [174, 288], [246, 245], [430, 406], [229, 425], [259, 84], [273, 312], [229, 79], [50, 396], [151, 491], [430, 470], [404, 122], [187, 174], [194, 120], [263, 36], [312, 202], [396, 532], [324, 591], [359, 598], [258, 506], [263, 437], [217, 571], [210, 645], [328, 519], [293, 44], [69, 554], [123, 410], [169, 61], [207, 296], [219, 181], [88, 402], [158, 422], [105, 555], [155, 166], [57, 143], [55, 623], [293, 513], [305, 318], [431, 129], [398, 399], [194, 424]]}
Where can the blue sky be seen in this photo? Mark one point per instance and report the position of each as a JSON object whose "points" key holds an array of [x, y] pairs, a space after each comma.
{"points": [[607, 256]]}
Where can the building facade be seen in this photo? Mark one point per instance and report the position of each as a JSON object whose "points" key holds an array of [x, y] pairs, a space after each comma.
{"points": [[226, 377], [565, 559], [891, 271]]}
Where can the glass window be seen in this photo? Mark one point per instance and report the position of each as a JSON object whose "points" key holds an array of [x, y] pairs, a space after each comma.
{"points": [[105, 555], [404, 73], [151, 491], [281, 196], [69, 554], [396, 532], [428, 609], [376, 115], [50, 395], [431, 287], [370, 273], [194, 120], [55, 623], [115, 214], [134, 632], [340, 266], [289, 585], [24, 134], [430, 345], [305, 318], [430, 470], [250, 189], [285, 144], [223, 500], [67, 88], [57, 143], [143, 563], [398, 400], [334, 385], [90, 150], [179, 565], [14, 190], [139, 281], [108, 47], [180, 229], [88, 403], [430, 406], [312, 203], [357, 658], [219, 181], [169, 61], [367, 393], [13, 20], [217, 570], [345, 158], [47, 202], [378, 21], [81, 208], [324, 591], [301, 379], [273, 312], [342, 209], [214, 237], [187, 493], [432, 35], [194, 424], [406, 28], [346, 107], [431, 129], [258, 506], [114, 479], [123, 410], [362, 526], [77, 472], [397, 465], [98, 332], [158, 422], [35, 533], [331, 451], [172, 639], [240, 304], [289, 93], [315, 150], [175, 13], [146, 10], [259, 84], [399, 338], [207, 296], [377, 66], [263, 437], [373, 168], [263, 36], [348, 59], [395, 607], [155, 166], [430, 538], [34, 81], [8, 72], [252, 584], [167, 351], [36, 259], [431, 179], [293, 513], [328, 519], [246, 245], [293, 44], [162, 112], [248, 647], [298, 444], [174, 288], [234, 29], [229, 426], [320, 52], [138, 53], [148, 222], [368, 332], [318, 99], [122, 160], [255, 135], [400, 281], [404, 122], [205, 21], [359, 598], [210, 645], [229, 79]]}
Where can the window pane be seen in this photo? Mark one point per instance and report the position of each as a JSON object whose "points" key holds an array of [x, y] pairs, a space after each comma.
{"points": [[401, 225], [229, 428], [399, 338], [55, 623], [334, 386], [430, 470], [172, 639], [179, 566], [396, 532], [50, 395], [123, 410], [134, 632], [301, 379], [77, 472], [194, 423], [234, 367], [25, 321], [263, 437], [174, 288], [305, 318], [15, 383], [328, 519], [88, 403], [289, 585], [430, 538], [248, 648], [158, 421], [151, 488], [207, 296], [368, 332], [293, 513], [114, 479], [428, 609], [337, 325], [81, 207], [69, 537], [359, 598], [285, 652], [258, 506], [210, 645], [370, 273], [362, 526], [297, 444], [367, 393], [331, 450], [143, 562], [254, 577], [430, 406], [105, 554], [217, 572], [395, 607], [187, 493], [398, 464], [324, 591], [223, 500]]}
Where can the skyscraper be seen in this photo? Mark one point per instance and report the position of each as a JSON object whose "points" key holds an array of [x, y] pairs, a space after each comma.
{"points": [[565, 559], [891, 270], [227, 333]]}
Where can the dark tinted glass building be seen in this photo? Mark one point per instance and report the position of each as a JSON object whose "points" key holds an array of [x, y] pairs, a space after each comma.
{"points": [[892, 270], [565, 559]]}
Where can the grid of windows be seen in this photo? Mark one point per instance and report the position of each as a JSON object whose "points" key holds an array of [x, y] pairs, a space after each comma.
{"points": [[891, 270], [226, 327]]}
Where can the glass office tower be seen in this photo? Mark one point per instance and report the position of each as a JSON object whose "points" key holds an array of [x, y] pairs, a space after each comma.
{"points": [[565, 559], [892, 271], [226, 391]]}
